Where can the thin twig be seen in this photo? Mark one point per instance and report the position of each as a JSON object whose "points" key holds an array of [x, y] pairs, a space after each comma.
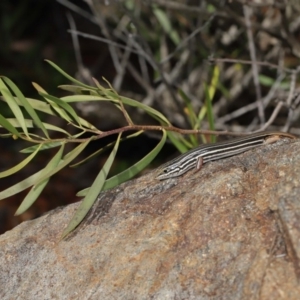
{"points": [[104, 40], [273, 116], [126, 116], [229, 13], [144, 68], [290, 99], [138, 78], [289, 37], [117, 83], [248, 62], [187, 39], [78, 10], [248, 13], [83, 73], [102, 24], [75, 41], [143, 46], [247, 108]]}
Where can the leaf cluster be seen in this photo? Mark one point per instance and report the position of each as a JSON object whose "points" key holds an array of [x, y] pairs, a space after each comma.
{"points": [[21, 127]]}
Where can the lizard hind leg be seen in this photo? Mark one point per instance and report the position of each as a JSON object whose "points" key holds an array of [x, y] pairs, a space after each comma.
{"points": [[199, 163]]}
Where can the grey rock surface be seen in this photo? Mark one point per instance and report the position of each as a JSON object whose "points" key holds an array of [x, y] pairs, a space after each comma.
{"points": [[229, 231]]}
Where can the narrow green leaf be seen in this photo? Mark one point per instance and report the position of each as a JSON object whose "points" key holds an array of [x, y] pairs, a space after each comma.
{"points": [[68, 108], [85, 98], [68, 76], [55, 106], [152, 112], [211, 92], [19, 166], [6, 135], [266, 80], [46, 108], [20, 186], [14, 122], [105, 148], [76, 89], [98, 85], [38, 105], [93, 192], [39, 88], [55, 128], [178, 142], [13, 105], [29, 124], [8, 126], [125, 113], [193, 140], [65, 161], [165, 23], [37, 189], [26, 105], [60, 111], [44, 146], [132, 171], [210, 114], [190, 110], [224, 90], [214, 82]]}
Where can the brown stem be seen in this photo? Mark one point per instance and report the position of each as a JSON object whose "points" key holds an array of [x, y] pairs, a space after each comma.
{"points": [[138, 128]]}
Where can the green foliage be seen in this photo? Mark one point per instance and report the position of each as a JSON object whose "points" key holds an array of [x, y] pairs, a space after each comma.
{"points": [[93, 192], [196, 120], [21, 127]]}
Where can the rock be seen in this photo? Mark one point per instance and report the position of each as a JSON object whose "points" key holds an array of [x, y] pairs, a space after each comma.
{"points": [[229, 231]]}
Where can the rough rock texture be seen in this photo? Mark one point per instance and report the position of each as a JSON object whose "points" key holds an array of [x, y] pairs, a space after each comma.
{"points": [[229, 231]]}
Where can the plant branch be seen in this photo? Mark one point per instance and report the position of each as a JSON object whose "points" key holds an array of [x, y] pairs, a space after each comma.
{"points": [[137, 128]]}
